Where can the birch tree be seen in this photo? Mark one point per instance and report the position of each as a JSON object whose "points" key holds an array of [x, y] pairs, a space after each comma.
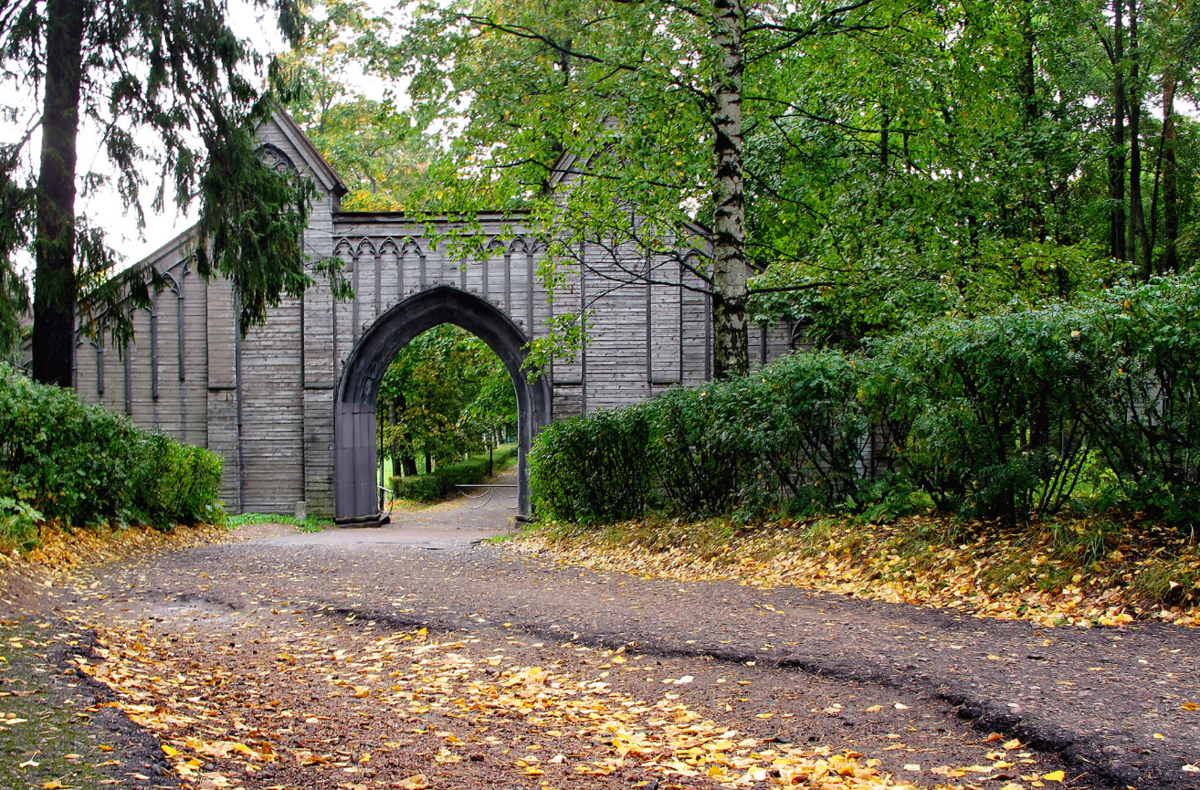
{"points": [[647, 99]]}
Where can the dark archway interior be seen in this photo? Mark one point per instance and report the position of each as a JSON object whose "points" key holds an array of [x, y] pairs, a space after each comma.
{"points": [[356, 495]]}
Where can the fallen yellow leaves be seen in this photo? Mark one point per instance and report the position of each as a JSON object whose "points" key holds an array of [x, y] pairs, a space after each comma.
{"points": [[60, 550], [986, 571], [207, 741]]}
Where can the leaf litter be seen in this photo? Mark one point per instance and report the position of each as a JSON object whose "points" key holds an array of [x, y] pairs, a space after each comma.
{"points": [[219, 729], [263, 724], [1083, 573]]}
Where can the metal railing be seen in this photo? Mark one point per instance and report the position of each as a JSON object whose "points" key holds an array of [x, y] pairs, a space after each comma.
{"points": [[486, 495]]}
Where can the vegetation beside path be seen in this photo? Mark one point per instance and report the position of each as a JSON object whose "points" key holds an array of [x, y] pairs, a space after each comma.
{"points": [[65, 464], [1082, 572]]}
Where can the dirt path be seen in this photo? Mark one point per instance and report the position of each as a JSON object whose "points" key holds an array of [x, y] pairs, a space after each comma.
{"points": [[308, 647]]}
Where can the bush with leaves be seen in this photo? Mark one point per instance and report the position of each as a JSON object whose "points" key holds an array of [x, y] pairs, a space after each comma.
{"points": [[791, 432], [999, 416], [442, 481], [1145, 340], [85, 466], [593, 468], [993, 407]]}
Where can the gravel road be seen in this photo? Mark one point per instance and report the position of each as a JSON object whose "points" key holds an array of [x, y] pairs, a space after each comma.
{"points": [[924, 692]]}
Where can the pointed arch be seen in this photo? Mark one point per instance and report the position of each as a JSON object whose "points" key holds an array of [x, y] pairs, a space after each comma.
{"points": [[355, 494]]}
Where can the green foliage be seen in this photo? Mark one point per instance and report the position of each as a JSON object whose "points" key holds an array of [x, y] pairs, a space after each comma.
{"points": [[1146, 416], [445, 394], [84, 466], [593, 468], [993, 407], [309, 524], [18, 524], [386, 156], [1014, 415], [790, 433], [442, 481]]}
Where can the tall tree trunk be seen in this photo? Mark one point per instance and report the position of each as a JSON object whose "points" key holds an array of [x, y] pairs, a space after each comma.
{"points": [[1140, 247], [1116, 159], [731, 350], [1029, 117], [54, 275], [884, 134], [1170, 185]]}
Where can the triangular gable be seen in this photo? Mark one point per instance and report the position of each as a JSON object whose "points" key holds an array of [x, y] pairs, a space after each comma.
{"points": [[304, 149]]}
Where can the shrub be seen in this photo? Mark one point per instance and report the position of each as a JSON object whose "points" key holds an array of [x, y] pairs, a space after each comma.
{"points": [[18, 524], [442, 481], [84, 466], [1146, 418], [992, 407], [1001, 416], [593, 468], [790, 432]]}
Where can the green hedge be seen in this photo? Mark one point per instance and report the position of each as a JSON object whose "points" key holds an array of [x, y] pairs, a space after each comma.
{"points": [[85, 466], [442, 481], [1014, 415], [594, 468]]}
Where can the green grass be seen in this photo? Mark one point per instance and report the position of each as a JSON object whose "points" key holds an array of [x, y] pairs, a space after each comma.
{"points": [[37, 732], [310, 524]]}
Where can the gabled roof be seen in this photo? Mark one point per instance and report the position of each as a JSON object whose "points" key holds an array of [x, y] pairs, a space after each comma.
{"points": [[325, 174]]}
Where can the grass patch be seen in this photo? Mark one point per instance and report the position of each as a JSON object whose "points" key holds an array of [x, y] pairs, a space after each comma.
{"points": [[310, 524], [1082, 571], [42, 743]]}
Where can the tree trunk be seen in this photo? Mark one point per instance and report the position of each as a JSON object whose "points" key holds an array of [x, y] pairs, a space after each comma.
{"points": [[54, 275], [1170, 185], [428, 463], [1030, 115], [409, 465], [731, 350], [1116, 159], [1137, 221], [885, 123]]}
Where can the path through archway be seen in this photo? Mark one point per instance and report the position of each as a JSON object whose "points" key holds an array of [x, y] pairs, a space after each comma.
{"points": [[355, 491]]}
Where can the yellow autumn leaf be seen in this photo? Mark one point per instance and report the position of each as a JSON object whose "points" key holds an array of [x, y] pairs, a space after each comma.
{"points": [[169, 750], [416, 782], [1054, 776], [1189, 706]]}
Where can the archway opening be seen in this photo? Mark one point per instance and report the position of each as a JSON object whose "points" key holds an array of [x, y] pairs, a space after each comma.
{"points": [[356, 428], [446, 413]]}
